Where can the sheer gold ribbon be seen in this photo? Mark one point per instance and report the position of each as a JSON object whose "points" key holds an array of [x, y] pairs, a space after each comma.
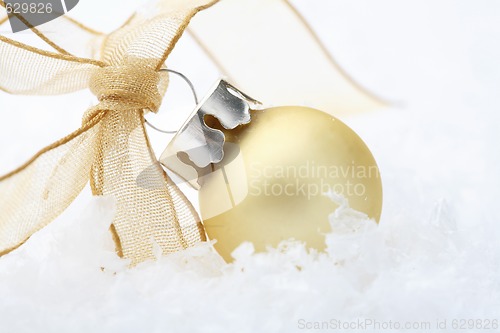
{"points": [[269, 50], [111, 147]]}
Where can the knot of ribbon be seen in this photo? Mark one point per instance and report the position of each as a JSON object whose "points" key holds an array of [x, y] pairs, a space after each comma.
{"points": [[132, 84]]}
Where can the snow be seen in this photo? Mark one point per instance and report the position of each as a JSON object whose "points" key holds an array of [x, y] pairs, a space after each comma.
{"points": [[434, 256]]}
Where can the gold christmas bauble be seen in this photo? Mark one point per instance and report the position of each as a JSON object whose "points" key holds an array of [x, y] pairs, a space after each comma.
{"points": [[273, 182]]}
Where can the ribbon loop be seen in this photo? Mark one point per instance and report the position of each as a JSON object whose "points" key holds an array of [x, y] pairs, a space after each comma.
{"points": [[132, 84]]}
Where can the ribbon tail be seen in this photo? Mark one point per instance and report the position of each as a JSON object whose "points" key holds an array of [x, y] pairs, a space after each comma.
{"points": [[269, 50], [40, 190], [151, 210]]}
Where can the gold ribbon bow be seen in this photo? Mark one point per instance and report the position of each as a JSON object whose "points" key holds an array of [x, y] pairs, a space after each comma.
{"points": [[111, 147]]}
